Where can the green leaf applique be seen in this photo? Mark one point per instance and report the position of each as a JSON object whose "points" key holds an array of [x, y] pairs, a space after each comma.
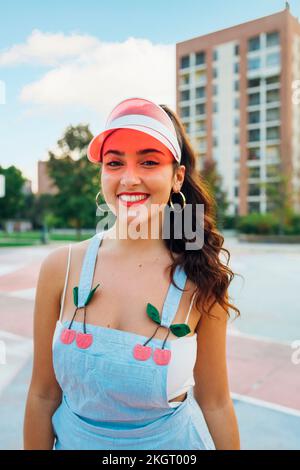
{"points": [[180, 329], [153, 313], [91, 294], [75, 295]]}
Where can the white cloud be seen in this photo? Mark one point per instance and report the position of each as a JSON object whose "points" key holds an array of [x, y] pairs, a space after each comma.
{"points": [[86, 72], [47, 49]]}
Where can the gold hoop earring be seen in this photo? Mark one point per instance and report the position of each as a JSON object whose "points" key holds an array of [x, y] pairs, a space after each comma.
{"points": [[183, 199], [98, 207]]}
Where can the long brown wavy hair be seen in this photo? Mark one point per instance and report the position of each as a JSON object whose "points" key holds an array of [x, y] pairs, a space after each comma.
{"points": [[203, 266]]}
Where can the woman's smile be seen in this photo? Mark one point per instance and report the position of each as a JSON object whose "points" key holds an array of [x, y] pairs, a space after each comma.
{"points": [[128, 199]]}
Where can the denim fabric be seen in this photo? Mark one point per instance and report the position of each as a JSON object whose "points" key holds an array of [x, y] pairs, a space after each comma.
{"points": [[111, 400]]}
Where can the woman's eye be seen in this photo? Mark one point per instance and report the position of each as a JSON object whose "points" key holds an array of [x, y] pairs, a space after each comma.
{"points": [[151, 161], [111, 163], [115, 163]]}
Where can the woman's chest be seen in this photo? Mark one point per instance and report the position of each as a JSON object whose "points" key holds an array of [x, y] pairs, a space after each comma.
{"points": [[120, 301]]}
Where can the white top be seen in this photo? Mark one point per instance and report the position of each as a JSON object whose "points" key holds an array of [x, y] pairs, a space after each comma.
{"points": [[184, 351]]}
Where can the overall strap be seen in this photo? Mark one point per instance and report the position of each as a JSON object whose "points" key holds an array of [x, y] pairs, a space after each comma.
{"points": [[62, 303], [172, 301], [88, 268]]}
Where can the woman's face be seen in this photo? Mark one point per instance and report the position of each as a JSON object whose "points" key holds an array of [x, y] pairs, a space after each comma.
{"points": [[136, 163]]}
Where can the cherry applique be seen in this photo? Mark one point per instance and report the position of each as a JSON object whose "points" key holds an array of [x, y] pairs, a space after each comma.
{"points": [[83, 340], [161, 356]]}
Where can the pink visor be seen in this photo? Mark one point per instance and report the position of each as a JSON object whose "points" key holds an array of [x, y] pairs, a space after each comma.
{"points": [[141, 115]]}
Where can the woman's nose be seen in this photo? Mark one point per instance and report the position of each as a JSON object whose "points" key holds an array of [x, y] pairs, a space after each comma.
{"points": [[130, 176]]}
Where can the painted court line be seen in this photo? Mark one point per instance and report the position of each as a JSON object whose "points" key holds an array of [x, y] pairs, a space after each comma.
{"points": [[232, 331], [265, 404], [28, 294]]}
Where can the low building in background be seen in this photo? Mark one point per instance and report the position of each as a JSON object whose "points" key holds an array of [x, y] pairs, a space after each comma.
{"points": [[45, 183]]}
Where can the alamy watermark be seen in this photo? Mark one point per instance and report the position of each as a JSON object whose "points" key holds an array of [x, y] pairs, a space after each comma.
{"points": [[296, 354], [138, 222]]}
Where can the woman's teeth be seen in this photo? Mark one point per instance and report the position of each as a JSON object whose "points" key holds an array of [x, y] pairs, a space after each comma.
{"points": [[127, 198]]}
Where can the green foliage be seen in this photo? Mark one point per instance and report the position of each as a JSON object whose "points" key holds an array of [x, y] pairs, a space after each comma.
{"points": [[268, 224], [13, 203], [77, 180], [213, 180], [264, 224], [230, 221]]}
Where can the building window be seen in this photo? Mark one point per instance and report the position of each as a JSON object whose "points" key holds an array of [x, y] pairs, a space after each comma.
{"points": [[215, 107], [236, 67], [254, 117], [186, 126], [254, 135], [200, 92], [273, 79], [273, 96], [253, 82], [254, 99], [273, 171], [215, 90], [272, 152], [200, 77], [236, 85], [273, 59], [253, 189], [184, 95], [237, 138], [254, 153], [200, 58], [254, 63], [215, 141], [215, 54], [215, 73], [253, 207], [200, 108], [273, 114], [273, 39], [273, 133], [236, 121], [185, 79], [236, 191], [254, 171], [200, 126], [185, 62], [236, 49], [254, 44], [184, 111], [236, 103]]}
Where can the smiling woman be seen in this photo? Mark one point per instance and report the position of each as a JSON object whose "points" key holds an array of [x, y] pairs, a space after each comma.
{"points": [[140, 163], [157, 310]]}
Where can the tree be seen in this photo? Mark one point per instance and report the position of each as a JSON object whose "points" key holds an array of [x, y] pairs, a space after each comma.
{"points": [[76, 179], [279, 200], [13, 203], [214, 181]]}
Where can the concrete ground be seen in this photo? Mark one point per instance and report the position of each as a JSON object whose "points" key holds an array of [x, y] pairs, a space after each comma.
{"points": [[263, 345]]}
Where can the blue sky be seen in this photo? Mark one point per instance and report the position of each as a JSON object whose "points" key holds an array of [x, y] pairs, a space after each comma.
{"points": [[65, 62]]}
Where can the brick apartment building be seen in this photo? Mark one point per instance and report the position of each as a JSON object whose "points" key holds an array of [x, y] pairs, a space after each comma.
{"points": [[237, 96]]}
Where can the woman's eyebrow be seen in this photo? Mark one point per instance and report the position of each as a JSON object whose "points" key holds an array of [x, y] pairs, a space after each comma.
{"points": [[139, 152]]}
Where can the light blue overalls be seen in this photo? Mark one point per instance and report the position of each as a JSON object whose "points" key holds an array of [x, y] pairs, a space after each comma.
{"points": [[112, 401]]}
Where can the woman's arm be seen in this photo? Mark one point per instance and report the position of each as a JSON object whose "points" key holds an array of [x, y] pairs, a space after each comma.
{"points": [[211, 389], [44, 393]]}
